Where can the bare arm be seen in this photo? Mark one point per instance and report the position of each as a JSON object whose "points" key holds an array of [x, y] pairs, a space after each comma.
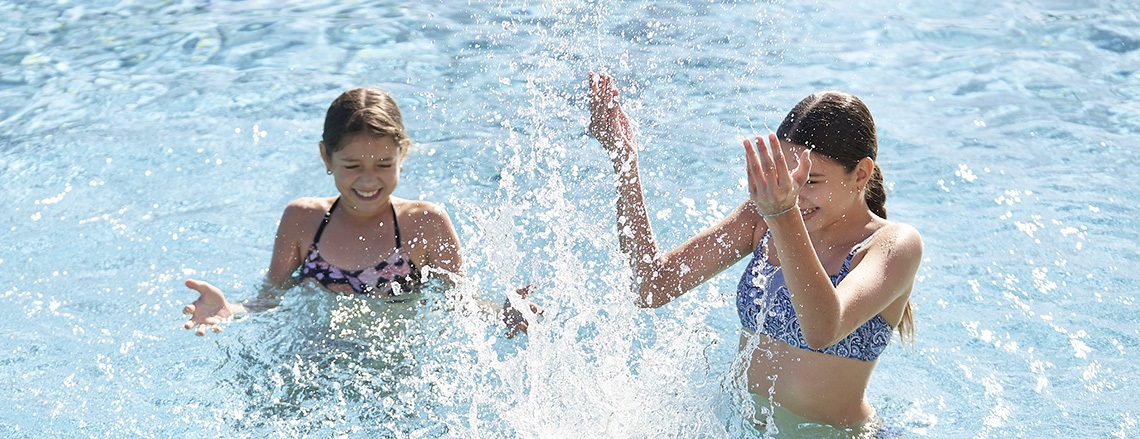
{"points": [[211, 308], [287, 246], [827, 313], [660, 278], [443, 257], [442, 253]]}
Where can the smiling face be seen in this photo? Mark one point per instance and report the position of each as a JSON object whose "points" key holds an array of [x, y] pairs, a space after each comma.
{"points": [[838, 126], [366, 170], [832, 193]]}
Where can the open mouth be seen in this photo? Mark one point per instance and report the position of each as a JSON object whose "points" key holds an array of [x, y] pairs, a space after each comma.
{"points": [[367, 194]]}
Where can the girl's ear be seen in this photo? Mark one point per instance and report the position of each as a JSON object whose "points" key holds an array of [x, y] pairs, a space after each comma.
{"points": [[863, 172], [325, 157], [405, 145]]}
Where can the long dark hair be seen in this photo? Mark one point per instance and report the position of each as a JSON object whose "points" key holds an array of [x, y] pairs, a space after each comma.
{"points": [[359, 109], [839, 126]]}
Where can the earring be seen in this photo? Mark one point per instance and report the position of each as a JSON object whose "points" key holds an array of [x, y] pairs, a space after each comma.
{"points": [[328, 172]]}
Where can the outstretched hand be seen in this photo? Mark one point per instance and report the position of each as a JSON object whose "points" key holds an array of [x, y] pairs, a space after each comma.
{"points": [[513, 318], [210, 310], [608, 122], [771, 186]]}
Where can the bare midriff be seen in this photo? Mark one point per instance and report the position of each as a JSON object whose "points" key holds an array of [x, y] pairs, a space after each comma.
{"points": [[821, 387]]}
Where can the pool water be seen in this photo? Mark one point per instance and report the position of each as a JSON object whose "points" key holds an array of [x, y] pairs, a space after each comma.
{"points": [[142, 143]]}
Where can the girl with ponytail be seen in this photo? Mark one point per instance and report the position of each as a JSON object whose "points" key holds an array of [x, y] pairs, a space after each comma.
{"points": [[830, 277]]}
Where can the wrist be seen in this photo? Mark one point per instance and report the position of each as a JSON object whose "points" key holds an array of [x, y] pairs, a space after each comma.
{"points": [[776, 212]]}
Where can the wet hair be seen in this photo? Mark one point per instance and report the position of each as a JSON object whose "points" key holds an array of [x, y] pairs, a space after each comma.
{"points": [[362, 109], [838, 126]]}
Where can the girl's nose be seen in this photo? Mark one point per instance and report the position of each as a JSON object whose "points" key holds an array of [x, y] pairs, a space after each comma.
{"points": [[371, 173]]}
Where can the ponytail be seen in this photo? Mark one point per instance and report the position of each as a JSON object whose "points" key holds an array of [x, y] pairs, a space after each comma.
{"points": [[876, 194]]}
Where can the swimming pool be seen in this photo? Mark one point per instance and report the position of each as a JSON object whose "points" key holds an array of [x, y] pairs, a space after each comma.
{"points": [[142, 143]]}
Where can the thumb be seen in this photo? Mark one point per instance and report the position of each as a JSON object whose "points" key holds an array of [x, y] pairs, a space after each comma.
{"points": [[803, 168], [205, 289]]}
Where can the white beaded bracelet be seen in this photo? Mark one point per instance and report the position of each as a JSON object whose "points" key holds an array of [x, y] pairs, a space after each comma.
{"points": [[769, 215]]}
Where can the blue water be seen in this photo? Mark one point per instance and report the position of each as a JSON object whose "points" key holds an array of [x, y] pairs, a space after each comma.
{"points": [[141, 143]]}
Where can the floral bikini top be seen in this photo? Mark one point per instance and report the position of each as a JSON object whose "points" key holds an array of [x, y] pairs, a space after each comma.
{"points": [[394, 276], [765, 306]]}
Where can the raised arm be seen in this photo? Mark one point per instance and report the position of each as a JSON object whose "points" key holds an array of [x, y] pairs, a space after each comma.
{"points": [[882, 278], [660, 278]]}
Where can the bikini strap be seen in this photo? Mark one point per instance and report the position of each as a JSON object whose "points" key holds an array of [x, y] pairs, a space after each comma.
{"points": [[847, 262], [763, 246], [325, 221], [396, 225]]}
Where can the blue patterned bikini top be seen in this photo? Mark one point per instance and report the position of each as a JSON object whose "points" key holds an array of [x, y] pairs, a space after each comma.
{"points": [[762, 297]]}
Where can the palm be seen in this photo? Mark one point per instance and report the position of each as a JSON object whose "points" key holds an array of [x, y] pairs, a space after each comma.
{"points": [[608, 122], [209, 310], [771, 186]]}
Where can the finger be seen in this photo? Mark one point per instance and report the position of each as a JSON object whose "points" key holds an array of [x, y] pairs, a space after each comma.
{"points": [[766, 165], [778, 155], [212, 320], [205, 289], [201, 287], [201, 330], [755, 178], [522, 326], [803, 168], [748, 167], [188, 325], [611, 90], [512, 332], [188, 309], [216, 328]]}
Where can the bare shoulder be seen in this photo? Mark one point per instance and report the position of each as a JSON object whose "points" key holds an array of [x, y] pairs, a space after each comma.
{"points": [[421, 212], [431, 233], [899, 240], [425, 219], [307, 206], [418, 208], [302, 215]]}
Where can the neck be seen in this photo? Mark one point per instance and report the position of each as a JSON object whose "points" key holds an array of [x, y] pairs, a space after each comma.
{"points": [[358, 217], [852, 227]]}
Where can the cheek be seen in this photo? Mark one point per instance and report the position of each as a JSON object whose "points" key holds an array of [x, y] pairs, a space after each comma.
{"points": [[818, 195], [344, 178], [391, 176]]}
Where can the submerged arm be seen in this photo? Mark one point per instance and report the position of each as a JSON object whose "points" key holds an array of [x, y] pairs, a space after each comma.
{"points": [[444, 259], [211, 308]]}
